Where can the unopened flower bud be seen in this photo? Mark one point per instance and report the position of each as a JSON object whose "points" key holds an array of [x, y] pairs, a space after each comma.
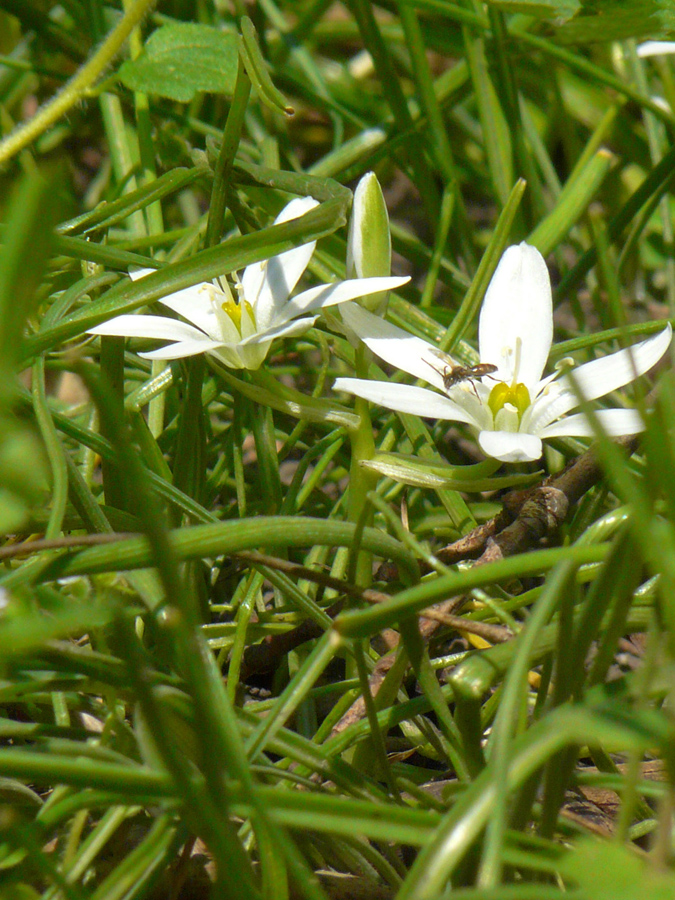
{"points": [[369, 240]]}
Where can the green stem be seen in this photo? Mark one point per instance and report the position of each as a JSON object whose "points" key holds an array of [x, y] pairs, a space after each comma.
{"points": [[228, 149], [657, 141], [77, 87], [112, 370], [239, 413], [157, 404], [188, 467], [437, 130], [57, 458], [509, 88], [361, 480], [440, 242], [153, 211], [121, 156]]}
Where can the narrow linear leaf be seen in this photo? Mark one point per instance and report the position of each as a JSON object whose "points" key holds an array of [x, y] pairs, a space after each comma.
{"points": [[420, 473]]}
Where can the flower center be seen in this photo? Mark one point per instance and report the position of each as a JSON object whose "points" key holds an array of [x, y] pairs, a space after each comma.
{"points": [[515, 394], [233, 308]]}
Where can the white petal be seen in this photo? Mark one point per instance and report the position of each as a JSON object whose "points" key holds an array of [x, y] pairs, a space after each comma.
{"points": [[516, 320], [268, 284], [600, 376], [182, 349], [141, 273], [159, 327], [507, 419], [655, 48], [196, 304], [661, 102], [406, 398], [252, 356], [510, 446], [230, 356], [297, 326], [550, 405], [193, 303], [614, 422], [338, 292], [476, 406], [395, 346], [247, 322], [544, 383], [227, 331]]}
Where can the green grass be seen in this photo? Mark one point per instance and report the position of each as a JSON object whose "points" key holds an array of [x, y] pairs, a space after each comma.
{"points": [[167, 529]]}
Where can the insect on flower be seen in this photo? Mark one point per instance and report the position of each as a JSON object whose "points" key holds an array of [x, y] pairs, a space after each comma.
{"points": [[453, 374], [515, 329]]}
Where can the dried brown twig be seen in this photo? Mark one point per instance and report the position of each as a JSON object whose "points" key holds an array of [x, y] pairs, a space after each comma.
{"points": [[530, 515], [527, 517], [263, 657], [26, 548]]}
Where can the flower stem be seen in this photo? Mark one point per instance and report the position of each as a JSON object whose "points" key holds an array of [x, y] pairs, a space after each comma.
{"points": [[228, 150], [361, 480], [73, 92]]}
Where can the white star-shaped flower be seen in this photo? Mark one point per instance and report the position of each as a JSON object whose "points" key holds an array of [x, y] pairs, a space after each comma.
{"points": [[514, 408], [239, 332]]}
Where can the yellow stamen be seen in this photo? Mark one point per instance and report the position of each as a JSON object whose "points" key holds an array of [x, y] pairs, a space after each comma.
{"points": [[516, 368]]}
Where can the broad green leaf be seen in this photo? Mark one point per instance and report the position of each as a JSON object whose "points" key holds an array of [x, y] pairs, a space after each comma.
{"points": [[22, 631], [180, 60], [617, 20], [561, 10], [607, 871]]}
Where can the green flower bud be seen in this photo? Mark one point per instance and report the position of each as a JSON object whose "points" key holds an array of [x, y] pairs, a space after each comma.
{"points": [[369, 240]]}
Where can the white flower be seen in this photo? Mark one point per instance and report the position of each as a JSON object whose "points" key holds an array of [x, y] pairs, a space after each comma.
{"points": [[239, 332], [514, 408]]}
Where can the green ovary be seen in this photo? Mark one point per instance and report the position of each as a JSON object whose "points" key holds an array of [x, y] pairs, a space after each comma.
{"points": [[233, 310], [517, 395]]}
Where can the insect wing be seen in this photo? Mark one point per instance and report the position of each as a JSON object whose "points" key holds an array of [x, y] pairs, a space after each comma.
{"points": [[445, 358], [483, 369]]}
